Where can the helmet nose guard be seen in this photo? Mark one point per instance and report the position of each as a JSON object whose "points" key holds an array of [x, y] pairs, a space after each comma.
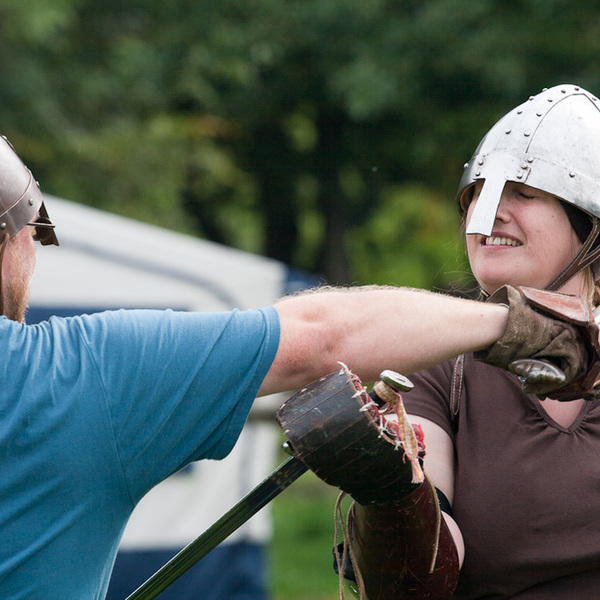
{"points": [[550, 142], [21, 198]]}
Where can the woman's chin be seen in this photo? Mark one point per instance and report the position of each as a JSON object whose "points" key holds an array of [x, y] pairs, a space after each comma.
{"points": [[491, 286]]}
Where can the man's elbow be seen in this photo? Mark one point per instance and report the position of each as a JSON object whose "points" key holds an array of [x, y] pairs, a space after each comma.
{"points": [[306, 352]]}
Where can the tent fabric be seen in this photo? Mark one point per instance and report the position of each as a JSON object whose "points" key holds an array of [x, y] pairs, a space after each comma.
{"points": [[105, 260]]}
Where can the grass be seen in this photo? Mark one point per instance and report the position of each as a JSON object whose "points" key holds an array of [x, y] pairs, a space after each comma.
{"points": [[301, 560]]}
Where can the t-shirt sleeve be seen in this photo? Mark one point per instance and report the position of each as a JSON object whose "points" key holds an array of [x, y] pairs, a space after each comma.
{"points": [[430, 397], [178, 386]]}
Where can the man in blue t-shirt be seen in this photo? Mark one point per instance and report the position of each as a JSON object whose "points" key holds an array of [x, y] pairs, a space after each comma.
{"points": [[96, 410]]}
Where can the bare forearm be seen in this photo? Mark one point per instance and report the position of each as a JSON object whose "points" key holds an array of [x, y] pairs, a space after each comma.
{"points": [[412, 329], [371, 329]]}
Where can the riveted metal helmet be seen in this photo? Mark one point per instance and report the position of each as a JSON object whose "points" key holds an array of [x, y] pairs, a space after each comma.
{"points": [[21, 201], [550, 142]]}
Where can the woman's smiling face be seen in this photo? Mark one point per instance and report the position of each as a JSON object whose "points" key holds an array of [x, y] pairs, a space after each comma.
{"points": [[531, 243]]}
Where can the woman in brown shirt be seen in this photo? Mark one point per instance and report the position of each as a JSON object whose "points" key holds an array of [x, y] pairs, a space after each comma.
{"points": [[523, 474]]}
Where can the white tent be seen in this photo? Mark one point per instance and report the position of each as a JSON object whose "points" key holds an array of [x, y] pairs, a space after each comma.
{"points": [[106, 261]]}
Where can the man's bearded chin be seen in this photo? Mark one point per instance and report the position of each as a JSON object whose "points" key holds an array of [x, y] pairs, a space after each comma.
{"points": [[16, 299]]}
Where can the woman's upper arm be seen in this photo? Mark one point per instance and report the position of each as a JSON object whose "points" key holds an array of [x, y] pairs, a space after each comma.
{"points": [[439, 467], [439, 455]]}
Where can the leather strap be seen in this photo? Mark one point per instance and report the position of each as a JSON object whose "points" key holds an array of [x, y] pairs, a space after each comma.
{"points": [[584, 258], [443, 501], [456, 386]]}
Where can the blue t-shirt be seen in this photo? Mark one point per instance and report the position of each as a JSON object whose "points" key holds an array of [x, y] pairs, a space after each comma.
{"points": [[95, 411]]}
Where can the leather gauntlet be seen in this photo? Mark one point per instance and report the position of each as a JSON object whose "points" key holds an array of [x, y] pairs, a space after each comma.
{"points": [[399, 541], [550, 342], [405, 549]]}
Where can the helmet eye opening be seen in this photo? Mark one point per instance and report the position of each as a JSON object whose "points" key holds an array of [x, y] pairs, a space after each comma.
{"points": [[44, 229], [466, 198]]}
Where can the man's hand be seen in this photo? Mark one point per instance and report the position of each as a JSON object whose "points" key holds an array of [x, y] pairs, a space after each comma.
{"points": [[550, 342]]}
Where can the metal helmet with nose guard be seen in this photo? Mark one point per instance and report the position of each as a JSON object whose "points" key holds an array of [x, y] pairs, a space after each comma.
{"points": [[550, 142]]}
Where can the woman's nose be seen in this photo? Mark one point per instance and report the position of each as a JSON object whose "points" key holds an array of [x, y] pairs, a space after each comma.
{"points": [[505, 206]]}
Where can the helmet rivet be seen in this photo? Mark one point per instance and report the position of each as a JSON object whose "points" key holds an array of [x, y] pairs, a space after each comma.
{"points": [[2, 225], [465, 165], [531, 98], [527, 133], [530, 159], [480, 161], [507, 131], [538, 114], [550, 99], [30, 201], [519, 175], [520, 111], [523, 166], [572, 174], [477, 173]]}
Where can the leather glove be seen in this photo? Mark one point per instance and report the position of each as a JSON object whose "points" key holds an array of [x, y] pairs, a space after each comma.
{"points": [[550, 342]]}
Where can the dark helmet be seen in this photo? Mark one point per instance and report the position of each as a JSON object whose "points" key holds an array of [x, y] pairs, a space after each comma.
{"points": [[21, 201]]}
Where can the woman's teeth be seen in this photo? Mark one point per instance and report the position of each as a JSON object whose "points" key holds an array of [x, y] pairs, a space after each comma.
{"points": [[500, 241]]}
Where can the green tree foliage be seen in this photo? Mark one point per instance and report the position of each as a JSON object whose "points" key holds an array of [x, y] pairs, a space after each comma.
{"points": [[329, 134]]}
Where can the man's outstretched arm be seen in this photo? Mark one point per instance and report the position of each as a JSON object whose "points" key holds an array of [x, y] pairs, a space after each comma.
{"points": [[375, 328]]}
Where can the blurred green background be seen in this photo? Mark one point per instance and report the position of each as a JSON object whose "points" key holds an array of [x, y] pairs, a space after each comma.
{"points": [[300, 555], [328, 134]]}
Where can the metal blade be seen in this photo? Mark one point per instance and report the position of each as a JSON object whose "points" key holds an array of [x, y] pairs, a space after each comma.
{"points": [[260, 496]]}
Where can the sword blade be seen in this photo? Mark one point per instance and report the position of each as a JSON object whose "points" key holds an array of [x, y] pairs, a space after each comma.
{"points": [[260, 496]]}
